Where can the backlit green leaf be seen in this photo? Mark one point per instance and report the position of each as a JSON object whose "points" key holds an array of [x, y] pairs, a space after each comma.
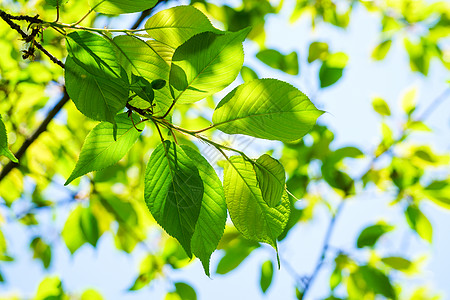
{"points": [[185, 291], [317, 50], [206, 64], [100, 150], [381, 107], [439, 193], [115, 7], [381, 50], [174, 192], [4, 150], [419, 223], [251, 215], [56, 3], [332, 69], [147, 60], [268, 109], [286, 63], [176, 25], [271, 179], [398, 263], [248, 74], [370, 235], [89, 226], [95, 81], [213, 212], [376, 281], [50, 288], [72, 234], [266, 275]]}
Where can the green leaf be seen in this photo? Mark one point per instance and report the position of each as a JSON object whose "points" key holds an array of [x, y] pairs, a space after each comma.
{"points": [[91, 294], [271, 179], [42, 251], [4, 150], [89, 226], [398, 263], [185, 291], [317, 50], [370, 235], [381, 50], [100, 150], [95, 81], [381, 107], [419, 223], [273, 58], [142, 88], [50, 288], [213, 212], [376, 281], [439, 193], [176, 25], [332, 69], [174, 192], [205, 64], [147, 60], [268, 109], [266, 275], [248, 74], [56, 3], [72, 234], [257, 221], [116, 7]]}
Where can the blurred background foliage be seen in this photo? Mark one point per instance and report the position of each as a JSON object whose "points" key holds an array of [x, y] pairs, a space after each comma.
{"points": [[110, 202]]}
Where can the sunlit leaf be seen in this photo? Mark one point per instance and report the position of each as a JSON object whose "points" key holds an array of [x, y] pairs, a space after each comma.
{"points": [[398, 263], [271, 179], [174, 192], [419, 223], [317, 50], [332, 69], [72, 234], [115, 7], [206, 64], [439, 193], [267, 109], [185, 291], [370, 235], [257, 221], [148, 61], [91, 294], [176, 25], [381, 50], [248, 74], [381, 107], [286, 63], [4, 150], [213, 212], [50, 288], [89, 226], [56, 3], [100, 150], [266, 275], [94, 79]]}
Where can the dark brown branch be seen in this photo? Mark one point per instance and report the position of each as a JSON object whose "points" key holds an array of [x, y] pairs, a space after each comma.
{"points": [[7, 18], [42, 127]]}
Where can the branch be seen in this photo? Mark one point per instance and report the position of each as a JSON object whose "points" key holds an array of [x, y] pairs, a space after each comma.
{"points": [[43, 127], [7, 18]]}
